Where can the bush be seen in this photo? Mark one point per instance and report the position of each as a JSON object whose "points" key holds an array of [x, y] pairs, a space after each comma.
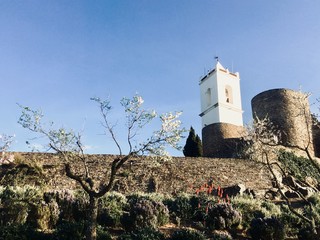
{"points": [[21, 232], [111, 208], [43, 216], [70, 231], [222, 216], [143, 234], [102, 234], [80, 205], [187, 234], [299, 167], [66, 201], [23, 174], [16, 203], [180, 207], [188, 208], [72, 205], [291, 222], [307, 234], [221, 236], [13, 213], [144, 212], [13, 232], [199, 205], [266, 229], [315, 212], [25, 205], [251, 208]]}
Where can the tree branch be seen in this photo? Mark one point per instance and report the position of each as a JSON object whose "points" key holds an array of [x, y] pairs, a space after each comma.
{"points": [[309, 221]]}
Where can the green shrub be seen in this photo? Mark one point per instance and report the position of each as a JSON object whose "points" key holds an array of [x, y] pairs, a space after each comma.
{"points": [[16, 203], [80, 206], [199, 205], [306, 233], [185, 234], [103, 234], [43, 216], [188, 207], [266, 229], [251, 208], [222, 216], [291, 222], [25, 205], [315, 213], [180, 207], [72, 205], [158, 197], [143, 234], [299, 167], [21, 232], [221, 236], [14, 213], [66, 201], [70, 231], [13, 232], [143, 212], [27, 173], [294, 225], [111, 208]]}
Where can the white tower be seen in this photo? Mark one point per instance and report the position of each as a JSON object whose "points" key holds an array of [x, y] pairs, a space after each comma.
{"points": [[220, 97]]}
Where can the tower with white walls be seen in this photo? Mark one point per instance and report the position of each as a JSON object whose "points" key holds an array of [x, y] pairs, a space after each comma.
{"points": [[220, 97], [221, 111]]}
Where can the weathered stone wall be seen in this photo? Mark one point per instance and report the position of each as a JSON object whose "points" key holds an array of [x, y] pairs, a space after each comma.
{"points": [[221, 140], [179, 175], [289, 111]]}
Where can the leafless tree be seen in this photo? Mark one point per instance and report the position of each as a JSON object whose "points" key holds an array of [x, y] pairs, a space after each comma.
{"points": [[69, 147], [263, 144]]}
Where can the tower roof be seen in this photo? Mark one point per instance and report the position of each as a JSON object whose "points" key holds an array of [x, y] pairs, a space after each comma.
{"points": [[219, 66]]}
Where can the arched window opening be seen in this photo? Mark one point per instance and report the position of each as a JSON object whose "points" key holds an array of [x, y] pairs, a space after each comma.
{"points": [[228, 94]]}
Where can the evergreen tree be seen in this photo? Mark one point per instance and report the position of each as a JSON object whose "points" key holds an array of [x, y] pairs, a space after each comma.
{"points": [[193, 147], [199, 146]]}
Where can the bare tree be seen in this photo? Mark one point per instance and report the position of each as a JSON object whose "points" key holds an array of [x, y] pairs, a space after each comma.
{"points": [[263, 143], [69, 147]]}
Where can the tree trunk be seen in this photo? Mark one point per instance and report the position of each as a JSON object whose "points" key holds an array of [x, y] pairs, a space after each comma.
{"points": [[92, 219]]}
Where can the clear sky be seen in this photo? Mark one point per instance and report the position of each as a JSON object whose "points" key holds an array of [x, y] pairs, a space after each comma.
{"points": [[55, 55]]}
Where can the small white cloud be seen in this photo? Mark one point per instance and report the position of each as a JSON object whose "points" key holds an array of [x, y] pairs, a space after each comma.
{"points": [[89, 147]]}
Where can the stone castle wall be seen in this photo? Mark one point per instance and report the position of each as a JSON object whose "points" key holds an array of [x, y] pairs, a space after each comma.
{"points": [[179, 175], [221, 140], [289, 111]]}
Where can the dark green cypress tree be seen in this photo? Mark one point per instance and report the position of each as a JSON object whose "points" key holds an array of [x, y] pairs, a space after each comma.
{"points": [[198, 146], [193, 147]]}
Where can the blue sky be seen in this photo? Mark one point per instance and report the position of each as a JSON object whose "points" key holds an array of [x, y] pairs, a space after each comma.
{"points": [[55, 55]]}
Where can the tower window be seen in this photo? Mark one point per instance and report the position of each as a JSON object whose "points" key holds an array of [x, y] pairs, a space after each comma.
{"points": [[228, 94], [208, 96]]}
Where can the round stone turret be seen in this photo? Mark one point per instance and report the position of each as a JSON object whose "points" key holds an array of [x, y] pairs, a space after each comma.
{"points": [[222, 140], [289, 112]]}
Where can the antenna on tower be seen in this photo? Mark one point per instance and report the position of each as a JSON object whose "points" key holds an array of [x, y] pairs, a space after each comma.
{"points": [[217, 58]]}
